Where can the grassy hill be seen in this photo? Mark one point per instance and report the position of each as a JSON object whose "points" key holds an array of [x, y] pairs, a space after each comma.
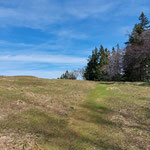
{"points": [[42, 114]]}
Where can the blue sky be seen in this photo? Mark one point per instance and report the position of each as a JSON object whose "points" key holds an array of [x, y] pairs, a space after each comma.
{"points": [[44, 38]]}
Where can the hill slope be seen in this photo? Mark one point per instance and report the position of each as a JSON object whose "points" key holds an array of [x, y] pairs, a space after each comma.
{"points": [[73, 115]]}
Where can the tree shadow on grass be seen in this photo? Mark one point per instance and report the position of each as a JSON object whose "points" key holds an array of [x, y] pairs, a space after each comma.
{"points": [[107, 83], [145, 84], [56, 131], [148, 112], [96, 113]]}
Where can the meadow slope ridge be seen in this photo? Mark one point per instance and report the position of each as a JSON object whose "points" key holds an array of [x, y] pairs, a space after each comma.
{"points": [[42, 114]]}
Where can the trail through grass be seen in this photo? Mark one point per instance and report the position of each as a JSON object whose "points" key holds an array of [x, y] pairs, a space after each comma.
{"points": [[73, 115]]}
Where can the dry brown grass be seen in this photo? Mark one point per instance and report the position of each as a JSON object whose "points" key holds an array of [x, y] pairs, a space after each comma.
{"points": [[42, 114], [19, 95]]}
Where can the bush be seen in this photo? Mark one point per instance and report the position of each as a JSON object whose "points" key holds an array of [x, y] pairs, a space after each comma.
{"points": [[68, 75]]}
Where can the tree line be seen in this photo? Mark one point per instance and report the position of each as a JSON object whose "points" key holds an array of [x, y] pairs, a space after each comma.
{"points": [[129, 64]]}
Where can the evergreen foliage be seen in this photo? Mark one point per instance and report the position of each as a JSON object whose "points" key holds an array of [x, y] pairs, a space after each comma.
{"points": [[130, 64], [92, 71], [144, 22], [136, 58], [97, 67], [138, 29]]}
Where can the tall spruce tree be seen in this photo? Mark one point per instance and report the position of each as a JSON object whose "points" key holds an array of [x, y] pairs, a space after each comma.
{"points": [[144, 22], [103, 67], [97, 67], [137, 51], [113, 49], [138, 29], [91, 71], [103, 56]]}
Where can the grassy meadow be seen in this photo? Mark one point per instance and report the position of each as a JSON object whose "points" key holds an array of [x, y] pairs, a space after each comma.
{"points": [[42, 114]]}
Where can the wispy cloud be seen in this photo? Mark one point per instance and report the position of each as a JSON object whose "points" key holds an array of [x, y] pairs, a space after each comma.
{"points": [[30, 13], [36, 73], [41, 35], [132, 7], [88, 8], [12, 44], [71, 34], [53, 59], [39, 14]]}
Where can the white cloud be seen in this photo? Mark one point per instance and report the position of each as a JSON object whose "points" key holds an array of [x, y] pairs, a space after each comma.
{"points": [[53, 59], [88, 8], [30, 13], [39, 14], [36, 73], [11, 44], [71, 34], [42, 13], [131, 7]]}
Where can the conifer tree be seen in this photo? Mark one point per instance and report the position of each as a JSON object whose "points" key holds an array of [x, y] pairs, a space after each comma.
{"points": [[103, 56], [138, 29], [136, 60], [113, 49], [91, 71], [144, 22], [103, 66], [97, 67]]}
